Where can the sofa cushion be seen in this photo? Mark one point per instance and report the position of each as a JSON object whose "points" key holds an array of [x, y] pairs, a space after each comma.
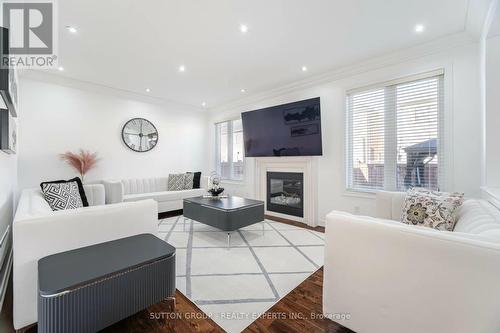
{"points": [[62, 196], [165, 195], [175, 182], [144, 185], [196, 179], [389, 205], [95, 194], [431, 209], [188, 181], [478, 217]]}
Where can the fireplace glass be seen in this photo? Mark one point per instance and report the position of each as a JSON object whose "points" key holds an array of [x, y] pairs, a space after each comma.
{"points": [[285, 193]]}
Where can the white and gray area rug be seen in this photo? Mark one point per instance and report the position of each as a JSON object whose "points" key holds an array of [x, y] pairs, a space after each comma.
{"points": [[235, 285]]}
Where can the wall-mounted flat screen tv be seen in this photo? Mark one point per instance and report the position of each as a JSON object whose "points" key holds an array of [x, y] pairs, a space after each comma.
{"points": [[292, 129]]}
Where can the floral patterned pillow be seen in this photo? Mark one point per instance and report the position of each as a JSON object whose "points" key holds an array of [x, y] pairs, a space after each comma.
{"points": [[431, 208]]}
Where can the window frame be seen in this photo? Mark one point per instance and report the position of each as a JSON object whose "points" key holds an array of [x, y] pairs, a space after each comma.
{"points": [[230, 143], [445, 133]]}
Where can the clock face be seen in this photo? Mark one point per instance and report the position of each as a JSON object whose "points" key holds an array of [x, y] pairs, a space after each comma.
{"points": [[140, 135]]}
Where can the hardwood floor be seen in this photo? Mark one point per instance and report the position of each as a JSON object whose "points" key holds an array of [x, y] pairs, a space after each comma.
{"points": [[159, 318], [295, 223], [299, 311], [188, 318]]}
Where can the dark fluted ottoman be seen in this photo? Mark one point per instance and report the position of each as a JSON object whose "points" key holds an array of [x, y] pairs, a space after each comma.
{"points": [[88, 289]]}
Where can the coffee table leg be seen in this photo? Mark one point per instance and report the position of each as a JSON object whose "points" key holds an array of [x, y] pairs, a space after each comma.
{"points": [[184, 226], [228, 240], [263, 227]]}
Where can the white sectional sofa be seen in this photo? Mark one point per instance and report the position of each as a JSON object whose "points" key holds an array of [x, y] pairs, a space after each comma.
{"points": [[129, 190], [391, 277], [38, 232]]}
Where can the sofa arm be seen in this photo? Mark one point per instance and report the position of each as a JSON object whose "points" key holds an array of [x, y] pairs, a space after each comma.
{"points": [[391, 277], [36, 237], [204, 182], [114, 191]]}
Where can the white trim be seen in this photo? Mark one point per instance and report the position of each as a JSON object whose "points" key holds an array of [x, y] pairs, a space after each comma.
{"points": [[492, 194], [358, 193], [44, 77], [227, 120], [307, 165], [401, 80], [445, 131], [230, 147], [446, 175], [482, 23]]}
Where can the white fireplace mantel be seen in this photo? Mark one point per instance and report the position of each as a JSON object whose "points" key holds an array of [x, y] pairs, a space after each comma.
{"points": [[305, 165]]}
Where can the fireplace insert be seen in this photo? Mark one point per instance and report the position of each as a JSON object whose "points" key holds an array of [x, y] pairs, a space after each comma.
{"points": [[285, 193]]}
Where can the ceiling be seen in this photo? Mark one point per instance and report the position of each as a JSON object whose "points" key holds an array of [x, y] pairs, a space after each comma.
{"points": [[133, 45]]}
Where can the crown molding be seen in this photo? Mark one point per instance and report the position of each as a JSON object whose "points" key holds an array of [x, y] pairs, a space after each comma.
{"points": [[477, 14], [491, 27], [45, 77], [433, 47]]}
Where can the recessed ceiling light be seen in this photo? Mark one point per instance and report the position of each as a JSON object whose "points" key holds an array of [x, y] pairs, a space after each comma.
{"points": [[60, 68], [243, 90], [244, 28], [182, 68], [72, 29], [148, 90], [304, 68], [203, 104], [419, 28]]}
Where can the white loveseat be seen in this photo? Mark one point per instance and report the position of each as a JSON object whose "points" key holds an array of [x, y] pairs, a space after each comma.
{"points": [[390, 277], [38, 232], [129, 190]]}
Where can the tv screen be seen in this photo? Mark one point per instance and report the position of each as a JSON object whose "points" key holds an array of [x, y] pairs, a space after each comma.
{"points": [[292, 129]]}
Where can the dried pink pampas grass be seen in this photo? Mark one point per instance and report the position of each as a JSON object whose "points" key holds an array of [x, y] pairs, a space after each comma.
{"points": [[82, 162]]}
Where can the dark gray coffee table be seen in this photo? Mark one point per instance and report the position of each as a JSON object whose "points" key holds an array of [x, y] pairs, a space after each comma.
{"points": [[90, 288], [227, 214]]}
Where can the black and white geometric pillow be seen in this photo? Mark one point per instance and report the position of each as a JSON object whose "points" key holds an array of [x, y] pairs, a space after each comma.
{"points": [[188, 181], [175, 182], [61, 196]]}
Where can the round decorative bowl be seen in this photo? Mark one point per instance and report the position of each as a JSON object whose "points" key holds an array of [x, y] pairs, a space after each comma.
{"points": [[216, 192]]}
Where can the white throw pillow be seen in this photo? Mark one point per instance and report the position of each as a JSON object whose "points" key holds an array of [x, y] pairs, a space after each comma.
{"points": [[431, 208]]}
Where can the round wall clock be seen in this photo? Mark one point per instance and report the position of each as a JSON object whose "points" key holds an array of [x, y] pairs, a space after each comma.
{"points": [[140, 135]]}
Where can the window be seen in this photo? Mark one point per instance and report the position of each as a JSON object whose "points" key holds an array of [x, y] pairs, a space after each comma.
{"points": [[229, 149], [393, 134]]}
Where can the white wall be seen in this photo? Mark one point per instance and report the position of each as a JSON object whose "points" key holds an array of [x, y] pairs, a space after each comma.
{"points": [[59, 116], [463, 130], [492, 114]]}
